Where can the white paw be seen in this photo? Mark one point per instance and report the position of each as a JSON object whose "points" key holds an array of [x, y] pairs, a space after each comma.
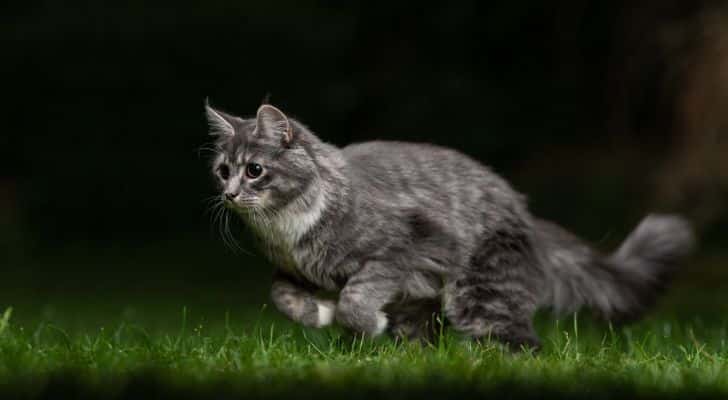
{"points": [[325, 313], [382, 323]]}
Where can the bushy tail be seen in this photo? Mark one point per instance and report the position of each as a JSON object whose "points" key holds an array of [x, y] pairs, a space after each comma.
{"points": [[622, 285]]}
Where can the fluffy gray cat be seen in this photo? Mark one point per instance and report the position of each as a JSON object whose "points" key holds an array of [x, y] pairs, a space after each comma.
{"points": [[402, 231]]}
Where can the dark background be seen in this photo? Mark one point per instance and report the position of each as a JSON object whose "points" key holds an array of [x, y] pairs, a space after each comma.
{"points": [[600, 111]]}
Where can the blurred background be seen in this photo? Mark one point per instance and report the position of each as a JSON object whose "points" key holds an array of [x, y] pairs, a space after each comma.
{"points": [[599, 111]]}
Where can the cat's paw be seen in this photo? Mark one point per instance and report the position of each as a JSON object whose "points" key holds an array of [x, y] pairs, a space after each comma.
{"points": [[326, 310], [382, 323]]}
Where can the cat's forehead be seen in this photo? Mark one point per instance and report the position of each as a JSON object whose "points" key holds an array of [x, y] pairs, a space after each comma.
{"points": [[231, 145], [245, 140], [244, 130]]}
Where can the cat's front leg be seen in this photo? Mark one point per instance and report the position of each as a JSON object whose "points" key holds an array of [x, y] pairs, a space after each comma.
{"points": [[362, 299], [299, 303]]}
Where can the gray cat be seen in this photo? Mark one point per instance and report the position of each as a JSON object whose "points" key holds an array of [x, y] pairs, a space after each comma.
{"points": [[402, 231]]}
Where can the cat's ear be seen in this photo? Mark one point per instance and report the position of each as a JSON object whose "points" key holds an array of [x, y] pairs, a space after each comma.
{"points": [[271, 122], [221, 124]]}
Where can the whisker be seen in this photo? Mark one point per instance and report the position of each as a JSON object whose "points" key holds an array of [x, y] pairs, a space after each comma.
{"points": [[232, 237], [226, 231], [220, 216], [208, 147]]}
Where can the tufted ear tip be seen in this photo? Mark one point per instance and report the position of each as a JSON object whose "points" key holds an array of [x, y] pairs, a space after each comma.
{"points": [[219, 122]]}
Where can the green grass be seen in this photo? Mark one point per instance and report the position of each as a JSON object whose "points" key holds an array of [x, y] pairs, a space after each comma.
{"points": [[260, 355], [148, 333]]}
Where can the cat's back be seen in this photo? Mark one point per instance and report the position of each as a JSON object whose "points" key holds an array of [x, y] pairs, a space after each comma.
{"points": [[417, 169], [389, 147], [403, 158], [401, 187]]}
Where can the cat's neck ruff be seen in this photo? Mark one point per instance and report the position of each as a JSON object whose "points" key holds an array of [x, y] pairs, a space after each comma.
{"points": [[299, 217]]}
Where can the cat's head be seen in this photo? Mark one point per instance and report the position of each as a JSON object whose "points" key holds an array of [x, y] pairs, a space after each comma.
{"points": [[262, 163]]}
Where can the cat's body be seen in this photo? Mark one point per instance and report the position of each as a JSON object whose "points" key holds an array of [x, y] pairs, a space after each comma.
{"points": [[401, 231]]}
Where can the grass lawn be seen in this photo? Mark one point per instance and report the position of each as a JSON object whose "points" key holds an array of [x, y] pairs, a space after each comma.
{"points": [[663, 356], [204, 343]]}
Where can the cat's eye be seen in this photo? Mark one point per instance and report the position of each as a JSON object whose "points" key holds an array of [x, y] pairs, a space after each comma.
{"points": [[253, 170], [224, 171]]}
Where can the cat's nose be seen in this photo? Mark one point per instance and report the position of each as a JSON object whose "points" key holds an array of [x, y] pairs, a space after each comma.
{"points": [[231, 196]]}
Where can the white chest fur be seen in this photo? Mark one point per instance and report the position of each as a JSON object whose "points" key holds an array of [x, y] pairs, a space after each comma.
{"points": [[282, 231], [296, 219]]}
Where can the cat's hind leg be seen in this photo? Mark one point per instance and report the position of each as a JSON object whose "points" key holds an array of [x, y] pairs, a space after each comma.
{"points": [[496, 294], [482, 308], [417, 320]]}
